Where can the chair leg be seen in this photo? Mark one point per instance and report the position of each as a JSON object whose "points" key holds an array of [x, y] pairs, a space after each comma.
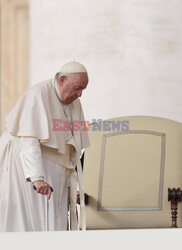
{"points": [[174, 212]]}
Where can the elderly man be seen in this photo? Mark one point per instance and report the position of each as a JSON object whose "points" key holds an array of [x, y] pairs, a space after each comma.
{"points": [[37, 152]]}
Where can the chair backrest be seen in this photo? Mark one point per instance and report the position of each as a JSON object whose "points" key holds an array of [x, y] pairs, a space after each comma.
{"points": [[127, 172]]}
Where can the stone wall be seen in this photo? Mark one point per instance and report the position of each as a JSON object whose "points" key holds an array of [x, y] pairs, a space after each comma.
{"points": [[131, 48]]}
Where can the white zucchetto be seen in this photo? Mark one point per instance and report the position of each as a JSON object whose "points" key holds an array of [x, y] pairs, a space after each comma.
{"points": [[73, 67]]}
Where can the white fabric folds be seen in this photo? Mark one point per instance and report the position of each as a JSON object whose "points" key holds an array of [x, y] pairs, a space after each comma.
{"points": [[31, 148], [34, 113], [31, 159], [21, 208]]}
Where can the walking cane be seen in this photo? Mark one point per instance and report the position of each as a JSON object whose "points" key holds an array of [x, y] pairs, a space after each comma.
{"points": [[47, 215], [47, 210]]}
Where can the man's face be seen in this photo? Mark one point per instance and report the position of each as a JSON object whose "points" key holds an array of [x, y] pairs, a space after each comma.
{"points": [[71, 86]]}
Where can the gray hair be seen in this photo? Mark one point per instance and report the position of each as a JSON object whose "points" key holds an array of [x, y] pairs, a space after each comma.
{"points": [[59, 74]]}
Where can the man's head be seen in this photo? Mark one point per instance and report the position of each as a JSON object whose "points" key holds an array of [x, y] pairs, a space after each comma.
{"points": [[72, 80]]}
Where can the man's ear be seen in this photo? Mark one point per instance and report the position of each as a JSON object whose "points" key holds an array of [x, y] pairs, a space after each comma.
{"points": [[61, 81]]}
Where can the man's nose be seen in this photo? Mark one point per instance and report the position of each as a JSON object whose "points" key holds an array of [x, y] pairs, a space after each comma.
{"points": [[79, 93]]}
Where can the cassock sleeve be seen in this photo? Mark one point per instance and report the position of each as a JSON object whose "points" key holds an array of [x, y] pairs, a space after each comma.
{"points": [[31, 158]]}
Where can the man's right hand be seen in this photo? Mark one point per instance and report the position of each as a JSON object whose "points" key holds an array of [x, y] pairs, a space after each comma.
{"points": [[43, 188]]}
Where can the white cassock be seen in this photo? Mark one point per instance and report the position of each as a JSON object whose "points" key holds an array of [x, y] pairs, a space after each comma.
{"points": [[30, 149]]}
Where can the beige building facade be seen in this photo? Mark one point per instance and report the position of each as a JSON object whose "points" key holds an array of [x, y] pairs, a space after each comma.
{"points": [[14, 53]]}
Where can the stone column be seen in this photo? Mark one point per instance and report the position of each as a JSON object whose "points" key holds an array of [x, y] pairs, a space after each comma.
{"points": [[14, 59]]}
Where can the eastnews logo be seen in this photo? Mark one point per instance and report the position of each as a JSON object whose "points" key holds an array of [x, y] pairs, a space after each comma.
{"points": [[97, 125]]}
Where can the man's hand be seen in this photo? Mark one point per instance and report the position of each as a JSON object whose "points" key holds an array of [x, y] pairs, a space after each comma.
{"points": [[43, 188]]}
